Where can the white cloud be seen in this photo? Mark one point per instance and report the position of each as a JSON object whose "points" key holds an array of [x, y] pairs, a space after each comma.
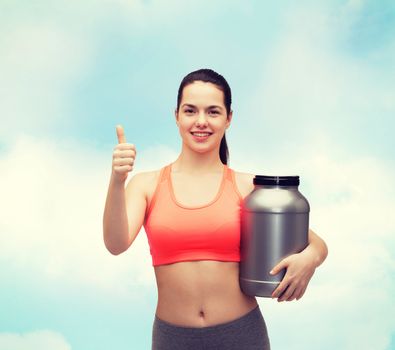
{"points": [[311, 85], [52, 204], [42, 339], [147, 15], [39, 63]]}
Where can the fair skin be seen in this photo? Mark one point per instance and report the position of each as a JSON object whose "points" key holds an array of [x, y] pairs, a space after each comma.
{"points": [[205, 292]]}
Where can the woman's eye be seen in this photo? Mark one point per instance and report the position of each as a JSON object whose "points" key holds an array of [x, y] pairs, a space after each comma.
{"points": [[214, 112], [188, 111]]}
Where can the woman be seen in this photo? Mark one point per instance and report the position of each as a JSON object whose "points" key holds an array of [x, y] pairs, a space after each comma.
{"points": [[190, 212]]}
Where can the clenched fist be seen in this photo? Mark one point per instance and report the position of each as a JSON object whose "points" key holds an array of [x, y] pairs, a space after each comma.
{"points": [[123, 156]]}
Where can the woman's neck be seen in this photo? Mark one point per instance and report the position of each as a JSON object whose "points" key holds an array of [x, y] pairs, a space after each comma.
{"points": [[197, 165]]}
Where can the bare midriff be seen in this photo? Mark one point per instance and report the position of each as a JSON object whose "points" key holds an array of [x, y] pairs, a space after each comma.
{"points": [[201, 293]]}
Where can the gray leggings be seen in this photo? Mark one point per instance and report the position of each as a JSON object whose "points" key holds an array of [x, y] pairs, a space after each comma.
{"points": [[248, 332]]}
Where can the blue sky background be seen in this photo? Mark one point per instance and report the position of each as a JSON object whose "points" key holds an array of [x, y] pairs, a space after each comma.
{"points": [[313, 95]]}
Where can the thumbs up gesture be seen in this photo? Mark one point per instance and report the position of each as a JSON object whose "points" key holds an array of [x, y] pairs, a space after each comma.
{"points": [[123, 156]]}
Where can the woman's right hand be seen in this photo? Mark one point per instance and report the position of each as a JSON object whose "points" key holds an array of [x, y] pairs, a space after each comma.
{"points": [[123, 157]]}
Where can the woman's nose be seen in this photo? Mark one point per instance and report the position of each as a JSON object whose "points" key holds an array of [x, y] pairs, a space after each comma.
{"points": [[201, 119]]}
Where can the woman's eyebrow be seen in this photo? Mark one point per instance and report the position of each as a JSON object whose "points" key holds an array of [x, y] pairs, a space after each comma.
{"points": [[190, 105]]}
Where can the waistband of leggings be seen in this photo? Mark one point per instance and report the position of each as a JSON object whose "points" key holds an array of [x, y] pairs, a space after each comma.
{"points": [[244, 320]]}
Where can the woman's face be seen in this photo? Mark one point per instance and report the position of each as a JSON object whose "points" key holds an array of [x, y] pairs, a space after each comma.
{"points": [[202, 109]]}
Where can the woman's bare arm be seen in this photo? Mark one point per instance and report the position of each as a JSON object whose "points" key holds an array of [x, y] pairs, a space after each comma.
{"points": [[317, 248], [115, 222], [124, 213]]}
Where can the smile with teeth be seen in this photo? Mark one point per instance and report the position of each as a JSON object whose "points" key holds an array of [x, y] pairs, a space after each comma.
{"points": [[201, 134]]}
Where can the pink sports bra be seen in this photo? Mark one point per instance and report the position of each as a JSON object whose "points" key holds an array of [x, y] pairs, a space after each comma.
{"points": [[179, 233]]}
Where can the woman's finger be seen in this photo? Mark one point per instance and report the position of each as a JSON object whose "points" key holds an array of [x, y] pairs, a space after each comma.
{"points": [[120, 134], [295, 293], [302, 292], [280, 288], [287, 293]]}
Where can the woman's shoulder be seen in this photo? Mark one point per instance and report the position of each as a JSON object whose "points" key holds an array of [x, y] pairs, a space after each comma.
{"points": [[244, 182], [148, 179], [243, 175]]}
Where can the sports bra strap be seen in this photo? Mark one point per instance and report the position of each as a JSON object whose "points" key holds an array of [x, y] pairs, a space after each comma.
{"points": [[164, 173], [229, 174]]}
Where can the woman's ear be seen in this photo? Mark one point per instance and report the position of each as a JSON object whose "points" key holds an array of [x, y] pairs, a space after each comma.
{"points": [[176, 115]]}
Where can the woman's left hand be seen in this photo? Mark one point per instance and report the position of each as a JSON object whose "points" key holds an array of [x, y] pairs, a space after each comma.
{"points": [[300, 268]]}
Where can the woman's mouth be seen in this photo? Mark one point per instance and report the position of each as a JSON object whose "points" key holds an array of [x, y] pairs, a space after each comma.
{"points": [[201, 136]]}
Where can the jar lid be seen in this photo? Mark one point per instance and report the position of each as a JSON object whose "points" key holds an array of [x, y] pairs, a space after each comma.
{"points": [[276, 180]]}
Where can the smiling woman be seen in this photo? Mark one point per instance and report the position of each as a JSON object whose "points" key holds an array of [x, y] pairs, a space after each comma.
{"points": [[205, 112], [190, 209]]}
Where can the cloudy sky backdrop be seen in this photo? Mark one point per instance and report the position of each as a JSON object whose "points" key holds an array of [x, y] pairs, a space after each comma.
{"points": [[313, 95]]}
